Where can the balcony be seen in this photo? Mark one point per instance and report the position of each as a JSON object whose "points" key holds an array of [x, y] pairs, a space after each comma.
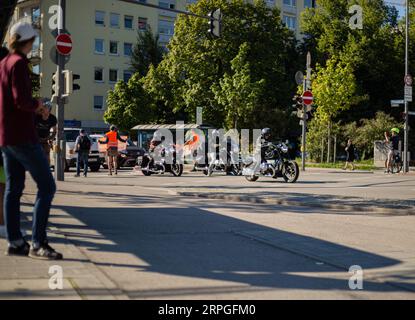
{"points": [[289, 9]]}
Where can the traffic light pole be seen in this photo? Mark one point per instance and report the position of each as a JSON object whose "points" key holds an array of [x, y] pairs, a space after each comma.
{"points": [[306, 86], [60, 111], [406, 129]]}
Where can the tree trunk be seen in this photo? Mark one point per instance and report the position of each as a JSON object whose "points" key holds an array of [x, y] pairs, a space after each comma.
{"points": [[328, 142], [322, 150], [335, 149]]}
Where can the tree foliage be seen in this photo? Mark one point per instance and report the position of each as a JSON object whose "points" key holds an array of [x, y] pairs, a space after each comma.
{"points": [[146, 52], [129, 104], [254, 49]]}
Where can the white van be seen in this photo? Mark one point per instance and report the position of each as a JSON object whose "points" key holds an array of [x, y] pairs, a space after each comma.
{"points": [[95, 159]]}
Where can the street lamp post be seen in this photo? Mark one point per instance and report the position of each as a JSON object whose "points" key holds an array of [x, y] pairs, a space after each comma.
{"points": [[406, 129]]}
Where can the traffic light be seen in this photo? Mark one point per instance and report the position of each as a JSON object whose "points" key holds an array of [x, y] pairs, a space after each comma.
{"points": [[55, 87], [215, 23], [75, 86], [70, 86], [298, 102]]}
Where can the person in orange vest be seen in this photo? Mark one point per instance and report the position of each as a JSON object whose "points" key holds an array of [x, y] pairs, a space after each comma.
{"points": [[111, 140]]}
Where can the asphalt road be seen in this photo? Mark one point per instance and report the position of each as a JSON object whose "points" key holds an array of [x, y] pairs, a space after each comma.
{"points": [[133, 237], [154, 244]]}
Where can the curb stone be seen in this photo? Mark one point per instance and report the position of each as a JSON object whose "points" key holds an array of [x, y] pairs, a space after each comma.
{"points": [[398, 210]]}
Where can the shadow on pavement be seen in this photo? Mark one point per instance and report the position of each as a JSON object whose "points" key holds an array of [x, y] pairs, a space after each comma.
{"points": [[190, 241]]}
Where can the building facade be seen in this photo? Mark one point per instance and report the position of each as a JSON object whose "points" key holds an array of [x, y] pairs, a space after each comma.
{"points": [[104, 33]]}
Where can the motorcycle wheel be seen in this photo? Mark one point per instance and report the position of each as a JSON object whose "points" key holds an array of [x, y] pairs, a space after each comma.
{"points": [[290, 171], [146, 172], [177, 169], [252, 178], [209, 171]]}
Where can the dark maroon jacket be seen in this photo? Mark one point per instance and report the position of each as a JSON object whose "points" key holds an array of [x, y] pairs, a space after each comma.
{"points": [[17, 106]]}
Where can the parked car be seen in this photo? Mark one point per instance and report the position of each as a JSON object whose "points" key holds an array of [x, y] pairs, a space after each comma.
{"points": [[127, 154]]}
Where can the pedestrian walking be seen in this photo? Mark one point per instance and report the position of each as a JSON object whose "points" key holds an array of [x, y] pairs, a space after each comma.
{"points": [[350, 154], [45, 122], [21, 148], [111, 140], [82, 147]]}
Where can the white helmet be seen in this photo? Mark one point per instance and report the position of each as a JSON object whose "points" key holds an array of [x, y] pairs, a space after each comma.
{"points": [[24, 30], [157, 135]]}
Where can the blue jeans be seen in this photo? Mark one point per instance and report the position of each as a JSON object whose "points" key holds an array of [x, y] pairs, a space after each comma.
{"points": [[82, 157], [18, 160]]}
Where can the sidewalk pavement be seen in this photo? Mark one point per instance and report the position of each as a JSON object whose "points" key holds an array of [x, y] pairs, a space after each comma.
{"points": [[26, 278]]}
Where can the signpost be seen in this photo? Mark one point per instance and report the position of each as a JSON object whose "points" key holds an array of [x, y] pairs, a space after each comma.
{"points": [[408, 80], [308, 98], [408, 92], [64, 44]]}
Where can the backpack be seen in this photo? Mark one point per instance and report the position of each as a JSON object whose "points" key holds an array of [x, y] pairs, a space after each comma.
{"points": [[84, 143]]}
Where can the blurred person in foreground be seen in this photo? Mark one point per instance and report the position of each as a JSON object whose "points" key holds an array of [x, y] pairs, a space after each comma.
{"points": [[21, 149]]}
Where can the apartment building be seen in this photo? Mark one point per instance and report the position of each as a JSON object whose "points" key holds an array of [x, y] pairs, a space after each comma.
{"points": [[103, 33]]}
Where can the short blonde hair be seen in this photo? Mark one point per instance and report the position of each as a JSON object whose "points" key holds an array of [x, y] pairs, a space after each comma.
{"points": [[16, 46]]}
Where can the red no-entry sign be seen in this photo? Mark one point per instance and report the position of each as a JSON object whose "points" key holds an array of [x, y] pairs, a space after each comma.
{"points": [[64, 44], [308, 98]]}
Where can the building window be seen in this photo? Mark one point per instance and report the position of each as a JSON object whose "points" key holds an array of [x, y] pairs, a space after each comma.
{"points": [[128, 49], [36, 15], [99, 46], [128, 22], [167, 4], [99, 75], [113, 75], [98, 102], [142, 23], [290, 22], [36, 69], [166, 27], [114, 20], [291, 3], [100, 18], [309, 3], [127, 75], [114, 47]]}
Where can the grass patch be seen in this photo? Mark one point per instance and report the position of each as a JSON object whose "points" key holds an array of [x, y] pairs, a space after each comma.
{"points": [[359, 165]]}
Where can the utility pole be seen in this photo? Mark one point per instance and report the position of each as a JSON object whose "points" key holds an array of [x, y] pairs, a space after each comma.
{"points": [[306, 86], [406, 129], [60, 111]]}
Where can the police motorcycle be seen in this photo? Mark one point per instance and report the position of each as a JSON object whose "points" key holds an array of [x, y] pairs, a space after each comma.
{"points": [[272, 161], [160, 159], [220, 158]]}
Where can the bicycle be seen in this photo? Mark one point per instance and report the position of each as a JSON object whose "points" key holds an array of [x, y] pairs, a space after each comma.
{"points": [[397, 163]]}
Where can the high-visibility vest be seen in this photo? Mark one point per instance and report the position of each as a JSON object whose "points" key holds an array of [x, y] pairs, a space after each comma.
{"points": [[112, 139]]}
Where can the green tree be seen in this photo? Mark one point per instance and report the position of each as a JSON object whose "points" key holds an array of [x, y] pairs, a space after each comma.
{"points": [[374, 52], [334, 88], [129, 104], [200, 69], [237, 93], [147, 51], [371, 130]]}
